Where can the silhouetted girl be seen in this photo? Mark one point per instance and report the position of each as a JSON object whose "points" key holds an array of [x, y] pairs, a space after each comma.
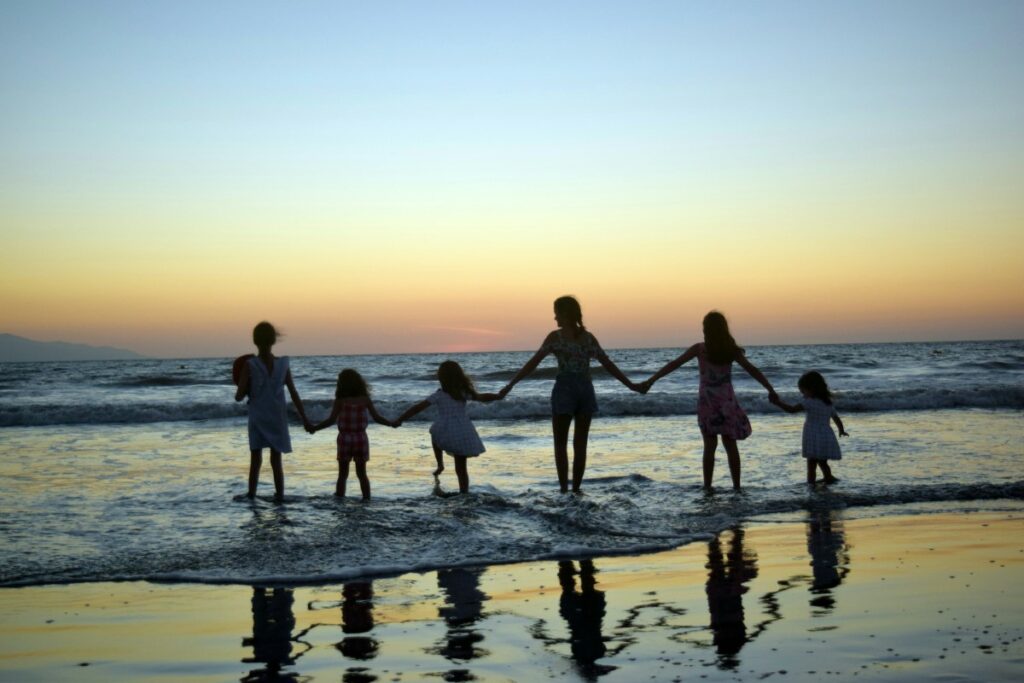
{"points": [[263, 379], [352, 403], [452, 432], [718, 412], [819, 441], [572, 397]]}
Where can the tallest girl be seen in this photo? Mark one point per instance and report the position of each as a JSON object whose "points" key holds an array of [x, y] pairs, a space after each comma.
{"points": [[572, 397]]}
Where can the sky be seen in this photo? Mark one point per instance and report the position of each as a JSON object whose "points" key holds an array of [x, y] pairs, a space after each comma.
{"points": [[406, 176]]}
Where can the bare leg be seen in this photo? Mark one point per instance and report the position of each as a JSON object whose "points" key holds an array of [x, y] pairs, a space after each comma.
{"points": [[439, 456], [364, 481], [826, 472], [579, 449], [275, 465], [255, 462], [339, 489], [710, 446], [560, 426], [462, 473], [733, 451], [812, 471]]}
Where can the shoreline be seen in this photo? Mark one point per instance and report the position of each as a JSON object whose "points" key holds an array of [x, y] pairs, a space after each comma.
{"points": [[897, 597]]}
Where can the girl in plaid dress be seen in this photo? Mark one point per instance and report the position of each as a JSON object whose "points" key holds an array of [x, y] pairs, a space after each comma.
{"points": [[352, 404], [452, 432], [719, 414]]}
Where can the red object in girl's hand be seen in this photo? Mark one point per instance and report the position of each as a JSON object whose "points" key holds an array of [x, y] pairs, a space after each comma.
{"points": [[236, 368]]}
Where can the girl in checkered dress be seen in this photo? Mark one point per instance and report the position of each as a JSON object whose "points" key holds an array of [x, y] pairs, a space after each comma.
{"points": [[352, 404], [452, 432]]}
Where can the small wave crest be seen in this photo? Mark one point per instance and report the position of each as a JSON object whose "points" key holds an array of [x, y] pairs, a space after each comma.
{"points": [[620, 404]]}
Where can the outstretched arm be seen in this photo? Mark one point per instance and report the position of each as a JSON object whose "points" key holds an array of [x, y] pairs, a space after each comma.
{"points": [[329, 420], [377, 416], [788, 407], [529, 367], [756, 374], [612, 369], [296, 400], [669, 368], [839, 423], [414, 410]]}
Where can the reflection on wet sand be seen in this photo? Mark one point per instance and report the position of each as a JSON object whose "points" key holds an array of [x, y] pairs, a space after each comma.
{"points": [[463, 608], [597, 632], [584, 612], [729, 570], [357, 619], [830, 559], [271, 640]]}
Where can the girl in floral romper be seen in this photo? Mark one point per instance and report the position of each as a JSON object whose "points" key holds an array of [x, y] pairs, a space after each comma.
{"points": [[352, 403], [718, 412]]}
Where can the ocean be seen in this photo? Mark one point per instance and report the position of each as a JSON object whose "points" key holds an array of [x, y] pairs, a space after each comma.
{"points": [[129, 470]]}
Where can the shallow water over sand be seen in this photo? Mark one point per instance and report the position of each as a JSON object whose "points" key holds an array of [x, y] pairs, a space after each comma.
{"points": [[796, 597], [157, 501]]}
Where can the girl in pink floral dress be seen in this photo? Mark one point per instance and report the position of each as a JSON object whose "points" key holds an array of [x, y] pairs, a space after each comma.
{"points": [[719, 414]]}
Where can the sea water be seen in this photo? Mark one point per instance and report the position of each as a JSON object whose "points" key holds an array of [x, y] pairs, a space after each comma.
{"points": [[120, 470]]}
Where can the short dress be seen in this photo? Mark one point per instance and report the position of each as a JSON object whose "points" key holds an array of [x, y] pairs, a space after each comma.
{"points": [[573, 392], [718, 411], [819, 442], [453, 432], [268, 415], [353, 443]]}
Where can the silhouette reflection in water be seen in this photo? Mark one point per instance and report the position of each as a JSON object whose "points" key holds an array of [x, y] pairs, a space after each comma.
{"points": [[462, 609], [271, 641], [357, 619], [583, 612], [728, 573], [826, 543]]}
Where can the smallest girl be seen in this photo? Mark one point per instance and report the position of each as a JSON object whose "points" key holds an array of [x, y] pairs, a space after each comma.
{"points": [[452, 432], [352, 402], [819, 441]]}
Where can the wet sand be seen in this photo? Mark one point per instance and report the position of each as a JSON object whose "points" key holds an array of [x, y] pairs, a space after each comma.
{"points": [[900, 598]]}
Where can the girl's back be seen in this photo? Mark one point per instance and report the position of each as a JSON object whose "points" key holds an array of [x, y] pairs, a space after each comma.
{"points": [[266, 385], [352, 415], [818, 412]]}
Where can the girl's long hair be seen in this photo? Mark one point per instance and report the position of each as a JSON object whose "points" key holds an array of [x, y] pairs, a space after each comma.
{"points": [[454, 381], [568, 307], [814, 384], [351, 385], [721, 348]]}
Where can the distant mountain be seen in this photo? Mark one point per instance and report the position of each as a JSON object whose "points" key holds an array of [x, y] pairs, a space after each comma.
{"points": [[14, 348]]}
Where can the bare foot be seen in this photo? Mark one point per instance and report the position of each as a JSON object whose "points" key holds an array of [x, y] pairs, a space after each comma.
{"points": [[831, 480]]}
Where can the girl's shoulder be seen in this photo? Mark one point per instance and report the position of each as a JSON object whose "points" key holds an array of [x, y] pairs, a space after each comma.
{"points": [[554, 336]]}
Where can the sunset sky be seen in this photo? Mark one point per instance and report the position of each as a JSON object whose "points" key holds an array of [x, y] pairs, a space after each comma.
{"points": [[401, 177]]}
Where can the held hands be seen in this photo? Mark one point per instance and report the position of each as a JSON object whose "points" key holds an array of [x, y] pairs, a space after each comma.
{"points": [[308, 426], [843, 432], [644, 386]]}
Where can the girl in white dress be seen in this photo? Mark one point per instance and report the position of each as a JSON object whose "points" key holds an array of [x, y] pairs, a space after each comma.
{"points": [[452, 432], [263, 379], [819, 441]]}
